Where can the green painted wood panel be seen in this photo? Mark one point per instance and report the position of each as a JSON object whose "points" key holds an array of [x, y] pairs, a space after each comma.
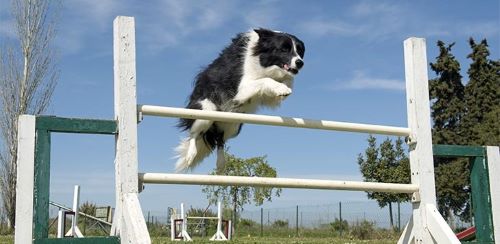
{"points": [[41, 185], [458, 151], [75, 125], [481, 201], [86, 240]]}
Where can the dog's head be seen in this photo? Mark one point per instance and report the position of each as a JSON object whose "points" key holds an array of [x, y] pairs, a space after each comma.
{"points": [[280, 49]]}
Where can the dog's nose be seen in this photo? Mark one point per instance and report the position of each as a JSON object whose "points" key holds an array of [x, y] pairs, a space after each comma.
{"points": [[299, 63]]}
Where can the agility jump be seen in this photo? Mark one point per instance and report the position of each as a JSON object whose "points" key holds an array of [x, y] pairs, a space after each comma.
{"points": [[425, 226]]}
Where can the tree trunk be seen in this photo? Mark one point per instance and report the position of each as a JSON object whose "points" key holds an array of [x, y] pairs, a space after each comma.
{"points": [[391, 217], [235, 206]]}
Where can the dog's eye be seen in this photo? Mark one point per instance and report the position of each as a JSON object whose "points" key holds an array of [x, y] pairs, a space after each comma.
{"points": [[285, 49]]}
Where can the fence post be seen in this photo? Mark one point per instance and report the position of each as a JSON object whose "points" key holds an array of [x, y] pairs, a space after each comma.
{"points": [[297, 221], [261, 222], [340, 217]]}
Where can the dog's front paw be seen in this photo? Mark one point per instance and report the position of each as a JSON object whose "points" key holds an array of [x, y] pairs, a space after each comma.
{"points": [[281, 90]]}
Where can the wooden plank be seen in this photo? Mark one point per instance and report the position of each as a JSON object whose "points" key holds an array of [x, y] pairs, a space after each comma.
{"points": [[438, 227], [458, 151], [25, 179], [493, 159], [76, 125], [41, 185], [421, 159], [86, 240], [126, 162], [481, 201]]}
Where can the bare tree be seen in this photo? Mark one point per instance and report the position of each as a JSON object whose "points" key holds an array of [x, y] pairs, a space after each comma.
{"points": [[28, 76]]}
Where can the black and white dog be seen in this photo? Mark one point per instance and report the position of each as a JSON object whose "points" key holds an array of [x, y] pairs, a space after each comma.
{"points": [[256, 69]]}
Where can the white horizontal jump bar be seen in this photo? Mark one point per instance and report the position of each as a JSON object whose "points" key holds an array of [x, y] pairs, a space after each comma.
{"points": [[191, 179], [270, 120]]}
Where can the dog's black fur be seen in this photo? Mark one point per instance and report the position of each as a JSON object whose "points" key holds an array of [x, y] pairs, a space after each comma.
{"points": [[279, 57]]}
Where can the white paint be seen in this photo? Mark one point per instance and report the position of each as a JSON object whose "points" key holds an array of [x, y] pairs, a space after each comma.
{"points": [[272, 120], [25, 179], [438, 228], [60, 224], [74, 231], [493, 158], [421, 156], [193, 179], [219, 236], [128, 222]]}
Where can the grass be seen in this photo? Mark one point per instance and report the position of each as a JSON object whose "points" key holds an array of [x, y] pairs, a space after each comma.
{"points": [[257, 240], [6, 239], [283, 240]]}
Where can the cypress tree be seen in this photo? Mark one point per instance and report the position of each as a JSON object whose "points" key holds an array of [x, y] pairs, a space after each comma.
{"points": [[447, 97], [446, 92], [482, 97]]}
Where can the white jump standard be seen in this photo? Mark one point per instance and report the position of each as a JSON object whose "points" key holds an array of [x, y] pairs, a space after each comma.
{"points": [[425, 226]]}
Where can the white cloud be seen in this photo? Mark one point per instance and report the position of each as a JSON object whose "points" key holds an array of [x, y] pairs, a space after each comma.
{"points": [[361, 82], [378, 21]]}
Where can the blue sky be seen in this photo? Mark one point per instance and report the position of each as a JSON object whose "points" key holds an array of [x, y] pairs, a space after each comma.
{"points": [[353, 72]]}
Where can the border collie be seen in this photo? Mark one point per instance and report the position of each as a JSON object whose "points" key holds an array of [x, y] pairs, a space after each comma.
{"points": [[256, 69]]}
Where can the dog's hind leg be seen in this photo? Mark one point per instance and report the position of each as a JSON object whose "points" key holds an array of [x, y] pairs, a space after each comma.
{"points": [[221, 160]]}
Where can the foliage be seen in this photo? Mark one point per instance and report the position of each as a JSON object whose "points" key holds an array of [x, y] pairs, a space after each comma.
{"points": [[88, 208], [482, 97], [462, 115], [203, 226], [363, 230], [238, 196], [386, 163], [339, 225], [28, 77], [447, 98], [447, 94], [280, 223], [247, 223]]}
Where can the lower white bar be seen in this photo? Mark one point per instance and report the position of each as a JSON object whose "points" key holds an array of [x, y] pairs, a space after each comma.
{"points": [[191, 179]]}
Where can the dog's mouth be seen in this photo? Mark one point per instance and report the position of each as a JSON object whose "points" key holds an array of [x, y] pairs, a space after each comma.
{"points": [[288, 68]]}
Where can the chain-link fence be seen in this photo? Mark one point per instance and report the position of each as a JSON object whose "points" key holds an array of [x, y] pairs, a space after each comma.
{"points": [[299, 220]]}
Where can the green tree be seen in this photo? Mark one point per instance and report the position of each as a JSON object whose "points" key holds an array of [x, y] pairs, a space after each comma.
{"points": [[448, 109], [447, 97], [28, 76], [482, 97], [386, 163], [238, 196]]}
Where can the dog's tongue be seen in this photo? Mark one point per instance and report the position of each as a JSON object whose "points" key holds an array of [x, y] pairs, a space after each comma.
{"points": [[286, 66]]}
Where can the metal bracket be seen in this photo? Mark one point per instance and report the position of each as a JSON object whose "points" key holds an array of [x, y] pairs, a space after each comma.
{"points": [[415, 197], [140, 117]]}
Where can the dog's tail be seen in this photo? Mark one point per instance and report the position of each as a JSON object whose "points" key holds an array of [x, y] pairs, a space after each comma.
{"points": [[189, 156]]}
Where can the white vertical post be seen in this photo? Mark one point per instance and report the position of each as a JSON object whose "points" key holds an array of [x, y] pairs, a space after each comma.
{"points": [[425, 227], [172, 229], [219, 235], [493, 158], [76, 203], [183, 231], [129, 220], [25, 179], [60, 224]]}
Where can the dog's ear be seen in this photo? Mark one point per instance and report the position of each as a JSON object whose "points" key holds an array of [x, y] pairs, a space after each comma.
{"points": [[264, 32]]}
